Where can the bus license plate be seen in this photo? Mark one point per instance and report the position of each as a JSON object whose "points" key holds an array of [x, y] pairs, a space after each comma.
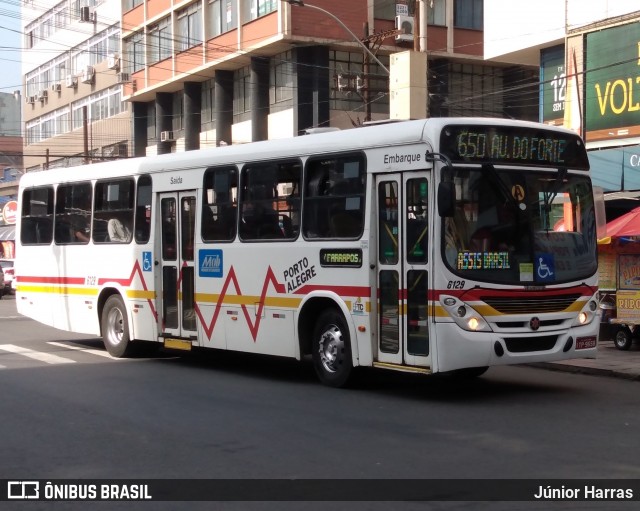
{"points": [[585, 343]]}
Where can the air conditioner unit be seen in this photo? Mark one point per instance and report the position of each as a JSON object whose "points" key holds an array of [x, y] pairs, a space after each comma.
{"points": [[166, 136], [71, 82], [87, 15], [405, 24], [113, 62], [88, 74], [31, 100], [56, 87], [42, 95], [123, 77]]}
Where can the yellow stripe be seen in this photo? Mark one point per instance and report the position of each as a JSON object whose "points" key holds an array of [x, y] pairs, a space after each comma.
{"points": [[248, 300], [61, 290], [398, 367], [141, 294]]}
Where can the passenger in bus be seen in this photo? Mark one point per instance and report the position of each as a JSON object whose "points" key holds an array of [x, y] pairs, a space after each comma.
{"points": [[118, 232], [81, 231], [259, 219]]}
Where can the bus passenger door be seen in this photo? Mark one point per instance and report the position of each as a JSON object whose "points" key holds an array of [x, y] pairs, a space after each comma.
{"points": [[177, 297], [403, 272]]}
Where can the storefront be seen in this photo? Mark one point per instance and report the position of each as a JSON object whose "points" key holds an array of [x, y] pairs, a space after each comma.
{"points": [[8, 230]]}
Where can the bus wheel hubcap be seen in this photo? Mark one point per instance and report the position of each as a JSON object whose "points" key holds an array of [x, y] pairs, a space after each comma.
{"points": [[116, 328], [331, 348]]}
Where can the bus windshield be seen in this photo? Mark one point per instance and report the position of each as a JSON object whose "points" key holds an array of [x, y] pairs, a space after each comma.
{"points": [[521, 228]]}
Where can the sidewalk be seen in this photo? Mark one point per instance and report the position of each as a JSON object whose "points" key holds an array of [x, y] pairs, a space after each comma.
{"points": [[610, 361]]}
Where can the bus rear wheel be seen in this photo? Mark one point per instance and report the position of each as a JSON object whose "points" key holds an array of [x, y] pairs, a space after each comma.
{"points": [[115, 328], [332, 349]]}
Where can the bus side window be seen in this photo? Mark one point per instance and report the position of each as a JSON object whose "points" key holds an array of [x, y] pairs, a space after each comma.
{"points": [[334, 197], [219, 208], [142, 226], [269, 202], [37, 216], [345, 218]]}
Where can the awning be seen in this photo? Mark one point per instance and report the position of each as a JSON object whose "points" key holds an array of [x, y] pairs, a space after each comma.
{"points": [[7, 232]]}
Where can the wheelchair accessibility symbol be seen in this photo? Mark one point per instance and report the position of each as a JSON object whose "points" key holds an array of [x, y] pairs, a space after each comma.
{"points": [[545, 268], [147, 265]]}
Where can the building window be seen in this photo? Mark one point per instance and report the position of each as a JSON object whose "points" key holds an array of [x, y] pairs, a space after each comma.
{"points": [[436, 12], [208, 118], [468, 14], [130, 4], [189, 27], [472, 90], [214, 19], [345, 71], [222, 16], [159, 38], [384, 10], [281, 80], [254, 9], [242, 94], [177, 109], [134, 51]]}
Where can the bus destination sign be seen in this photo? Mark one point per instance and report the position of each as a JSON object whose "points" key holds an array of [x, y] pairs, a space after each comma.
{"points": [[341, 257], [513, 145]]}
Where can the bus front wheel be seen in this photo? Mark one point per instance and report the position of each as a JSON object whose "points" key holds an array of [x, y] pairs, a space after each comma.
{"points": [[115, 328], [332, 349]]}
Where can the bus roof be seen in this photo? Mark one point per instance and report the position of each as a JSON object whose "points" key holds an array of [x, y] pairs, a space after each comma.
{"points": [[369, 136]]}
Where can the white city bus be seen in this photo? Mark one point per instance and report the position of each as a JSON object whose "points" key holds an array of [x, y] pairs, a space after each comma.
{"points": [[439, 245]]}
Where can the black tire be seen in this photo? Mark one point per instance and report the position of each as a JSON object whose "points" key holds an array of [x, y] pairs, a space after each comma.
{"points": [[331, 348], [623, 339], [115, 327]]}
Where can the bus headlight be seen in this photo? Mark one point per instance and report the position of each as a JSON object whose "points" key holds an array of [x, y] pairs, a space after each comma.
{"points": [[465, 317], [587, 314]]}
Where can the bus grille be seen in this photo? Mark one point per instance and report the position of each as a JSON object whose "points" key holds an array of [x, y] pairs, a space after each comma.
{"points": [[537, 305], [526, 344]]}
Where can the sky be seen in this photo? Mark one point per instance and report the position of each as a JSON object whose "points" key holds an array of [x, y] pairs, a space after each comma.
{"points": [[10, 46]]}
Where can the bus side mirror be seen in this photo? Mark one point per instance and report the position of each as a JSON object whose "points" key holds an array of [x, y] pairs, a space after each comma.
{"points": [[446, 199]]}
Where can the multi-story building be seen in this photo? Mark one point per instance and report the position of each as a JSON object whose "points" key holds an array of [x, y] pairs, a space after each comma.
{"points": [[73, 110], [10, 167], [589, 55], [181, 75]]}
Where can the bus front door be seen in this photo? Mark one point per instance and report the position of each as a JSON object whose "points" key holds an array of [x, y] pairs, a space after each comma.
{"points": [[403, 273], [177, 297]]}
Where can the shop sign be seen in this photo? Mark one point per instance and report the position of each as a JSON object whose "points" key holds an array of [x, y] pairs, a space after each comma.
{"points": [[10, 212]]}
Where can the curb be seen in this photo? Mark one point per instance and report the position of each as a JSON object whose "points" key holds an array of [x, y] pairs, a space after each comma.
{"points": [[595, 371]]}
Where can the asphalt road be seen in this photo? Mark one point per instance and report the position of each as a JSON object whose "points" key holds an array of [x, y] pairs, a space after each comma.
{"points": [[83, 415]]}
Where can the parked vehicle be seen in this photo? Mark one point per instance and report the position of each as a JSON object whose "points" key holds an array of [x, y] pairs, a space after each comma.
{"points": [[6, 274], [1, 280]]}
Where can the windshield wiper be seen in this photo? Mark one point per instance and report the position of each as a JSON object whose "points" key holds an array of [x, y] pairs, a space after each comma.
{"points": [[490, 170]]}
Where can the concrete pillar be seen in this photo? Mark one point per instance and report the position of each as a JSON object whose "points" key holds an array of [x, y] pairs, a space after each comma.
{"points": [[259, 101], [139, 130], [192, 115], [164, 110], [223, 106]]}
